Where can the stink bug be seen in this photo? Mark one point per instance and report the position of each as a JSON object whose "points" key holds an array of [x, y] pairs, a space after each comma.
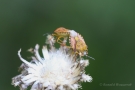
{"points": [[77, 43]]}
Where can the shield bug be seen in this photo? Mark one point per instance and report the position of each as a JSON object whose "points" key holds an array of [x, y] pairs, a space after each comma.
{"points": [[77, 43]]}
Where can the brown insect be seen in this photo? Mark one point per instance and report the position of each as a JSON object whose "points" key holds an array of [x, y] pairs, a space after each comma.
{"points": [[76, 41]]}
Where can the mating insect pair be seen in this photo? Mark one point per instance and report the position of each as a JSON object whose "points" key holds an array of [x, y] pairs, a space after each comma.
{"points": [[77, 43]]}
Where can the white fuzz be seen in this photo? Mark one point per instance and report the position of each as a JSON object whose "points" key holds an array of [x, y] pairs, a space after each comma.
{"points": [[84, 62], [58, 69], [86, 78], [73, 33], [50, 40]]}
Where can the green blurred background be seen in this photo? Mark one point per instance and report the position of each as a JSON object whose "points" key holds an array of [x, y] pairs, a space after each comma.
{"points": [[108, 27]]}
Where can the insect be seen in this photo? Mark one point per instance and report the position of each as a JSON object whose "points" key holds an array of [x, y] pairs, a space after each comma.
{"points": [[76, 41], [78, 44], [61, 33]]}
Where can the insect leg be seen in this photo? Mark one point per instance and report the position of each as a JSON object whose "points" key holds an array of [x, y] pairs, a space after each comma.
{"points": [[58, 38], [59, 41]]}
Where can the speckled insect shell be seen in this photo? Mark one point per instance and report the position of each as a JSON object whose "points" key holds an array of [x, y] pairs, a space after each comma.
{"points": [[78, 45], [62, 32], [81, 45]]}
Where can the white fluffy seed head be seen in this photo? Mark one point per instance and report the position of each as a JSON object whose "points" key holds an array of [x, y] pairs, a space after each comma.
{"points": [[58, 69]]}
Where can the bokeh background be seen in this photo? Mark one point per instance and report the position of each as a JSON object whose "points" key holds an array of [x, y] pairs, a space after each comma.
{"points": [[108, 27]]}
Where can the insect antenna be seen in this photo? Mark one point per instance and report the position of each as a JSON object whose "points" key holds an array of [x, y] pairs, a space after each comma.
{"points": [[90, 57]]}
